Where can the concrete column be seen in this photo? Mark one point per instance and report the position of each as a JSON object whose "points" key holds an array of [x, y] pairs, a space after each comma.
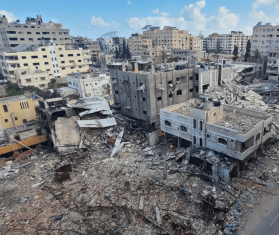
{"points": [[214, 172], [178, 143], [237, 170]]}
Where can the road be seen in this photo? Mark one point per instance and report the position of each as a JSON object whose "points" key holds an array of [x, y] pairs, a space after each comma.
{"points": [[269, 225]]}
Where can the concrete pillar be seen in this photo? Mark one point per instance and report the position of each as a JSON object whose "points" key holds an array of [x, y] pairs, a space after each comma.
{"points": [[237, 171], [214, 172], [178, 143]]}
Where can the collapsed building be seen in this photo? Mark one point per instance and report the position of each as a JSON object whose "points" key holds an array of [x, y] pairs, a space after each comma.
{"points": [[237, 133], [140, 91]]}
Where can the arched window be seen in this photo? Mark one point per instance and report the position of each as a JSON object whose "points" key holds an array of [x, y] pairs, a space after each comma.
{"points": [[183, 128], [194, 123], [167, 123], [195, 140], [222, 141], [258, 136]]}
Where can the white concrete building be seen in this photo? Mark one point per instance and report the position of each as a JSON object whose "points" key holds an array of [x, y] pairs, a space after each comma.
{"points": [[90, 85], [265, 38], [225, 42]]}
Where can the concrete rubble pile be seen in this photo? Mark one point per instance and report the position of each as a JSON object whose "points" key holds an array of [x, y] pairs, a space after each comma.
{"points": [[142, 189], [235, 95]]}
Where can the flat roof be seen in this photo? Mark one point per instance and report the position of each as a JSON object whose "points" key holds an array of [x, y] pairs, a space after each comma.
{"points": [[14, 98]]}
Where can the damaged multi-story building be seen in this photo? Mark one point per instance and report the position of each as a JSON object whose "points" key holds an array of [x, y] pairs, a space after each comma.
{"points": [[141, 92], [20, 127], [235, 132]]}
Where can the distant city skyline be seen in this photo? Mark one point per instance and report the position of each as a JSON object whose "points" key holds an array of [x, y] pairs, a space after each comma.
{"points": [[95, 18]]}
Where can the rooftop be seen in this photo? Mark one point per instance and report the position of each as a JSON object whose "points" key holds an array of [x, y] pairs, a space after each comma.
{"points": [[13, 98]]}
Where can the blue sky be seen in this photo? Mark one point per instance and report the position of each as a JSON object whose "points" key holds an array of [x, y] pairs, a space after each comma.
{"points": [[93, 18]]}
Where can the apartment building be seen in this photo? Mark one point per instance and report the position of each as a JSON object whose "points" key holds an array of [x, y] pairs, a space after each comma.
{"points": [[34, 31], [95, 51], [233, 131], [55, 60], [137, 45], [3, 71], [272, 69], [27, 77], [17, 110], [168, 37], [265, 38], [196, 43], [224, 43], [82, 42], [90, 85]]}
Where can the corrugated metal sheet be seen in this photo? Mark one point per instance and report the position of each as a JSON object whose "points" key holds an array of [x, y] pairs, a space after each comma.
{"points": [[98, 123]]}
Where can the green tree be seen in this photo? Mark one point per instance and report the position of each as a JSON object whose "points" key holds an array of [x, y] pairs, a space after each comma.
{"points": [[235, 53], [248, 51]]}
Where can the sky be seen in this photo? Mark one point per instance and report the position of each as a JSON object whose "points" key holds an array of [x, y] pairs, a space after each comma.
{"points": [[92, 18]]}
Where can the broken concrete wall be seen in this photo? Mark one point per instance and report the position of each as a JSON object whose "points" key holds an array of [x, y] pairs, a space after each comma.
{"points": [[153, 138], [215, 114]]}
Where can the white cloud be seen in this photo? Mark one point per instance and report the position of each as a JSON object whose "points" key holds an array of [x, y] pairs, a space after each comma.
{"points": [[99, 22], [255, 13], [9, 15], [129, 2], [157, 12], [191, 18]]}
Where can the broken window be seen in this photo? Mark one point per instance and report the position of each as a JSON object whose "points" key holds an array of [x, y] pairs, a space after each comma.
{"points": [[183, 128], [5, 108], [159, 98], [6, 120], [195, 124], [191, 78], [191, 90], [116, 92], [200, 142], [222, 141], [170, 95], [179, 92], [195, 140], [197, 89], [167, 123], [144, 112], [143, 99], [169, 82]]}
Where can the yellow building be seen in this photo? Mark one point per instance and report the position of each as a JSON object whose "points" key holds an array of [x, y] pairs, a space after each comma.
{"points": [[55, 60], [37, 78], [17, 110]]}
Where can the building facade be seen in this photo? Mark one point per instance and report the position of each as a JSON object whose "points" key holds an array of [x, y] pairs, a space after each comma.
{"points": [[168, 37], [196, 43], [27, 77], [207, 124], [17, 110], [265, 38], [137, 45], [224, 43], [35, 32], [90, 85], [55, 60], [273, 65]]}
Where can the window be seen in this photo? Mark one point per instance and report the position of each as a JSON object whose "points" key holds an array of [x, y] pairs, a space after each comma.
{"points": [[25, 64], [179, 92], [169, 82], [79, 60], [23, 57], [191, 90], [6, 120], [70, 55], [195, 140], [43, 49], [194, 123], [43, 78], [16, 118], [78, 54], [72, 67], [159, 98], [22, 39], [28, 80], [29, 33], [38, 33], [62, 62], [63, 68], [200, 125], [143, 99], [170, 95], [80, 67], [62, 55], [116, 92], [46, 63], [191, 78], [36, 64], [183, 128], [208, 135], [34, 57], [200, 142], [144, 112], [258, 136], [44, 56], [5, 108], [222, 141], [167, 123]]}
